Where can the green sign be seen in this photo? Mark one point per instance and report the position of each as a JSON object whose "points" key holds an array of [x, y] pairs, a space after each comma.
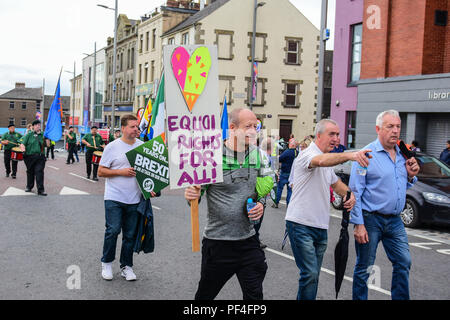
{"points": [[151, 163]]}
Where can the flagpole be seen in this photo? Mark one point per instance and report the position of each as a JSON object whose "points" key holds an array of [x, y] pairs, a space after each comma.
{"points": [[41, 109]]}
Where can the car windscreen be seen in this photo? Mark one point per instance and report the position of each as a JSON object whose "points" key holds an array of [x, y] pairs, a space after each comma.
{"points": [[431, 167]]}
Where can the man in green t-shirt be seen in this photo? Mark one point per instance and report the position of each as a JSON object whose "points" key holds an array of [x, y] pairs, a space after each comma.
{"points": [[71, 140], [93, 142], [10, 140], [32, 144]]}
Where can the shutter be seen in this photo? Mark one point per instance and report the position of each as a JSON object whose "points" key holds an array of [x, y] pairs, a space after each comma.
{"points": [[438, 132]]}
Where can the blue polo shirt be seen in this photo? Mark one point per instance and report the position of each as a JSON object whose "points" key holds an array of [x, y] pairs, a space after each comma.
{"points": [[384, 186]]}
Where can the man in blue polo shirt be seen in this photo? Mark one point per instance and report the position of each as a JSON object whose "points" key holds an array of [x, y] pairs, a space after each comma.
{"points": [[380, 191]]}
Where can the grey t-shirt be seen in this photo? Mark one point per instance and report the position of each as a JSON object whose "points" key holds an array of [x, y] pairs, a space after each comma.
{"points": [[227, 217]]}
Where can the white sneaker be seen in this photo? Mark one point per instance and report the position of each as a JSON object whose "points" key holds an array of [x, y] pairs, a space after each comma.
{"points": [[128, 274], [107, 272]]}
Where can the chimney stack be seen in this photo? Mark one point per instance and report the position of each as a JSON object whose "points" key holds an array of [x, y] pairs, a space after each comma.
{"points": [[20, 84]]}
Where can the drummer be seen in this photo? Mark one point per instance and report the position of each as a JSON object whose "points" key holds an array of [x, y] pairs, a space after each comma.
{"points": [[32, 144], [10, 140], [93, 142]]}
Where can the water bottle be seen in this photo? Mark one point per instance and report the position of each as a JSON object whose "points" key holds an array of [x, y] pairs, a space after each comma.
{"points": [[250, 206], [362, 171]]}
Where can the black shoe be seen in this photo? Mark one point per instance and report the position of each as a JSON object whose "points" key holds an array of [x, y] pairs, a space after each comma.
{"points": [[7, 175], [67, 162], [27, 190], [13, 176], [275, 205], [95, 178], [42, 194], [88, 177], [262, 245]]}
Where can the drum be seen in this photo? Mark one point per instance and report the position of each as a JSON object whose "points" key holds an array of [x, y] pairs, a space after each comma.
{"points": [[16, 154], [96, 157]]}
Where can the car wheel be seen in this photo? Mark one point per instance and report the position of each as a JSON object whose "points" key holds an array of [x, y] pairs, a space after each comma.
{"points": [[337, 203], [410, 215]]}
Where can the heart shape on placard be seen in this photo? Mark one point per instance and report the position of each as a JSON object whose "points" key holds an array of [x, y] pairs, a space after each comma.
{"points": [[191, 72]]}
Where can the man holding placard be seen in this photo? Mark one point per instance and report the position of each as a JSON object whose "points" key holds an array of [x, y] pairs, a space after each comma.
{"points": [[230, 245], [122, 197]]}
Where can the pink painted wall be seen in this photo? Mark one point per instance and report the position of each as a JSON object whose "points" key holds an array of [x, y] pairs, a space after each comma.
{"points": [[348, 12]]}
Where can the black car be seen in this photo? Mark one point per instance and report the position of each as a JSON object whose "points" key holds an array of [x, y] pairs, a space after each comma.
{"points": [[428, 201]]}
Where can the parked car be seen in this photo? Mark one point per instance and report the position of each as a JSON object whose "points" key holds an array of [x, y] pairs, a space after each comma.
{"points": [[428, 201]]}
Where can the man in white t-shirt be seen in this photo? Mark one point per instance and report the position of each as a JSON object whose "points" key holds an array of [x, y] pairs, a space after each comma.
{"points": [[122, 197], [308, 213]]}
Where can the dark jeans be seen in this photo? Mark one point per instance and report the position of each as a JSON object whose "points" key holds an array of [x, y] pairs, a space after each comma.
{"points": [[284, 180], [120, 216], [35, 164], [7, 159], [71, 147], [222, 259], [391, 232], [89, 164], [308, 246], [52, 149]]}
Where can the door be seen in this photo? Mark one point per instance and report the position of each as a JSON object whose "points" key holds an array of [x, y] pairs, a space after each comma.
{"points": [[285, 129]]}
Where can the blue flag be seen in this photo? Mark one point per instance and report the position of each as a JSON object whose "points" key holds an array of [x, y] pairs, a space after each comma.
{"points": [[53, 129], [224, 120]]}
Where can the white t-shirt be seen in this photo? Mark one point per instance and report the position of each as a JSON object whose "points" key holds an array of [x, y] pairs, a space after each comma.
{"points": [[120, 188], [310, 200]]}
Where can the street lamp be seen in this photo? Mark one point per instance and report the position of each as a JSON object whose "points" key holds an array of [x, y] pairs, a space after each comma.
{"points": [[73, 92], [113, 96], [323, 39], [255, 8]]}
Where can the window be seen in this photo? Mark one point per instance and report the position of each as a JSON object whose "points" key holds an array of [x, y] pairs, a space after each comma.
{"points": [[152, 71], [128, 58], [140, 74], [293, 50], [171, 40], [351, 129], [260, 91], [154, 39], [12, 121], [23, 122], [24, 105], [141, 43], [260, 47], [146, 73], [226, 86], [291, 93], [11, 105], [185, 38], [147, 40], [224, 42], [355, 67]]}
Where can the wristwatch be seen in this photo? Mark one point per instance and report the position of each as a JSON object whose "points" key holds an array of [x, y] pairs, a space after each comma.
{"points": [[262, 201]]}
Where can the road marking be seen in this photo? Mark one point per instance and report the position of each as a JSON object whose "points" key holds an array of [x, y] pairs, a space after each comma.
{"points": [[155, 207], [76, 175], [416, 234], [53, 167], [70, 191], [11, 191], [372, 287], [424, 245]]}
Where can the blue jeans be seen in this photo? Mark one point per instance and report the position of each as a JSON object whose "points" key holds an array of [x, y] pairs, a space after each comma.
{"points": [[391, 232], [308, 246], [284, 180], [120, 216]]}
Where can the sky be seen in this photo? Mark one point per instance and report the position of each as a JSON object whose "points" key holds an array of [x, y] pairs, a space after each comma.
{"points": [[40, 37]]}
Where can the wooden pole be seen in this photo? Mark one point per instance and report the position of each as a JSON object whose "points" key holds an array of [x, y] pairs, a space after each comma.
{"points": [[195, 226]]}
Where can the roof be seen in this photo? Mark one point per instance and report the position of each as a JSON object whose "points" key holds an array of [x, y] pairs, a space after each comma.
{"points": [[23, 94], [65, 100], [197, 17]]}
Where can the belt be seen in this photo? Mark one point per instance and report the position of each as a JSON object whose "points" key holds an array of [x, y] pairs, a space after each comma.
{"points": [[384, 215]]}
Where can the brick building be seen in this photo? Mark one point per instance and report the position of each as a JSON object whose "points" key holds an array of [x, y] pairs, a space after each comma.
{"points": [[398, 55], [19, 105]]}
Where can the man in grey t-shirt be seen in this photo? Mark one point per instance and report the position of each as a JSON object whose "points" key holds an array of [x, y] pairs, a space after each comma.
{"points": [[230, 245]]}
